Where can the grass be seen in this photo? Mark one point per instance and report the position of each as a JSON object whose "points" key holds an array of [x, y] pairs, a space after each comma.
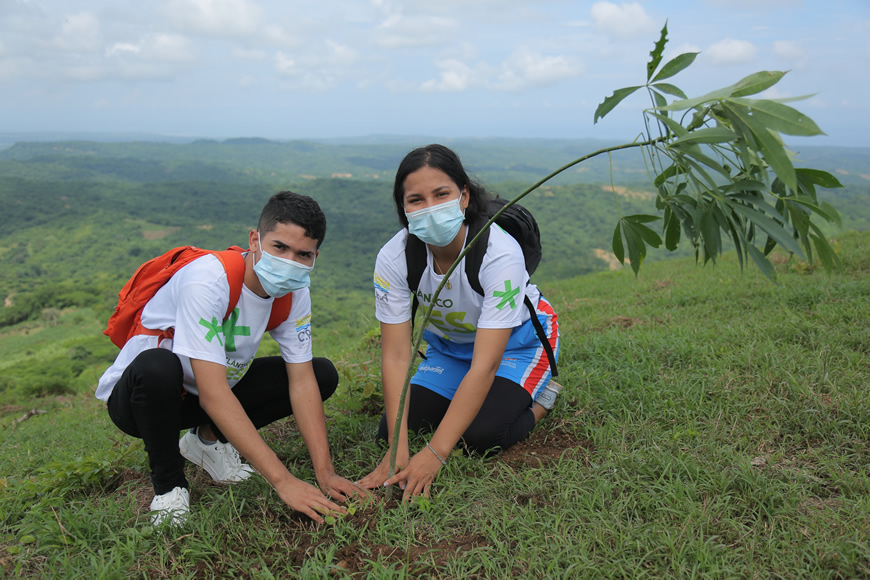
{"points": [[712, 425]]}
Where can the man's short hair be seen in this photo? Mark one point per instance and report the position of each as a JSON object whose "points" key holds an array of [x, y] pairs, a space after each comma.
{"points": [[286, 207]]}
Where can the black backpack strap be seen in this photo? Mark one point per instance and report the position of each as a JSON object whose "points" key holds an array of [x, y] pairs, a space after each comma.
{"points": [[474, 258], [542, 336], [415, 261]]}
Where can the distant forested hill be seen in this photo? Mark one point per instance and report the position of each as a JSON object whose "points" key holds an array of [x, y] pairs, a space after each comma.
{"points": [[79, 217]]}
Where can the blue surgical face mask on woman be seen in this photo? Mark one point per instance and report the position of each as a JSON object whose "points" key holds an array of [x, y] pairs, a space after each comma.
{"points": [[438, 224], [280, 276]]}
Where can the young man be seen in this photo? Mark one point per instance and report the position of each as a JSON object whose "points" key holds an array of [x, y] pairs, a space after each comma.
{"points": [[202, 373]]}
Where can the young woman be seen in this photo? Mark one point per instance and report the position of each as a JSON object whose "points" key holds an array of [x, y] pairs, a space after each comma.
{"points": [[486, 378]]}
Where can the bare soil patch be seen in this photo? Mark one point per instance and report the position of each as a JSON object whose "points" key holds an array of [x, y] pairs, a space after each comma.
{"points": [[545, 446]]}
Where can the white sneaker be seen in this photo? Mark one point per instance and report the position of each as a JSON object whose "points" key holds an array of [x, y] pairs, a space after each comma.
{"points": [[221, 460], [170, 508], [547, 396]]}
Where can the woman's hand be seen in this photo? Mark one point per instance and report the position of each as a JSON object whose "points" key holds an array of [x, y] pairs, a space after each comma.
{"points": [[380, 474], [419, 475]]}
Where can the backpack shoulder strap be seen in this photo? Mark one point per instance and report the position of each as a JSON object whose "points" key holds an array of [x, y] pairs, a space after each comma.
{"points": [[474, 258], [280, 311], [415, 261], [234, 264]]}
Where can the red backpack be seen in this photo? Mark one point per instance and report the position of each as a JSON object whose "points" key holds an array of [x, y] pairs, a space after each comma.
{"points": [[126, 320]]}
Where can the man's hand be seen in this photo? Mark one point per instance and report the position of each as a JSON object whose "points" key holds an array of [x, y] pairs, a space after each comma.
{"points": [[341, 489], [306, 498]]}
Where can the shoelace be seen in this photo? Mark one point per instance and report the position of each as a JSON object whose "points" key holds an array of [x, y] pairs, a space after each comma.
{"points": [[233, 458]]}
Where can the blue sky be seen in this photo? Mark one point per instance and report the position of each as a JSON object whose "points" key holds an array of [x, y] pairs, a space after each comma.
{"points": [[288, 69]]}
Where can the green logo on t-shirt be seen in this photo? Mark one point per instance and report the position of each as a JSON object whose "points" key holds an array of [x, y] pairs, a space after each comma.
{"points": [[228, 329], [507, 296]]}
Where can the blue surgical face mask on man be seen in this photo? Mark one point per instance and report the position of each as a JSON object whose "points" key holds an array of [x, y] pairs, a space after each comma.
{"points": [[280, 276], [438, 224]]}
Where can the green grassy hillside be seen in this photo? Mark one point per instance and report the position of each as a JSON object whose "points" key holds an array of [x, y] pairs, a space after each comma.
{"points": [[713, 424]]}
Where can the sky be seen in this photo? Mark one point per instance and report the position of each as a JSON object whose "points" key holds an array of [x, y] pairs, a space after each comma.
{"points": [[292, 69]]}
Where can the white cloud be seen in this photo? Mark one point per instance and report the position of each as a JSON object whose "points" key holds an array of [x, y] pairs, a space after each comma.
{"points": [[788, 50], [80, 33], [524, 69], [319, 70], [219, 18], [398, 31], [246, 82], [121, 48], [731, 51], [163, 48], [279, 38], [623, 21], [454, 77], [248, 54]]}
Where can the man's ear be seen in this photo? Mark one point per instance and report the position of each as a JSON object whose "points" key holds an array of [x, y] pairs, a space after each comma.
{"points": [[253, 238]]}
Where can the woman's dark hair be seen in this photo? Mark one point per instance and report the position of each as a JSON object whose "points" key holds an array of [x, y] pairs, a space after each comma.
{"points": [[439, 157], [286, 207]]}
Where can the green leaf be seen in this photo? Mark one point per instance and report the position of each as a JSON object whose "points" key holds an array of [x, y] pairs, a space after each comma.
{"points": [[675, 65], [770, 227], [756, 82], [670, 89], [641, 218], [750, 85], [636, 247], [763, 263], [818, 177], [708, 135], [771, 149], [675, 127], [610, 102], [672, 233], [648, 235], [655, 56], [825, 210], [781, 118], [710, 236], [826, 254], [618, 249], [660, 99]]}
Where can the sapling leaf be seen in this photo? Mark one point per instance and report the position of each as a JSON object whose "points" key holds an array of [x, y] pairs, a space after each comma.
{"points": [[670, 89], [756, 82], [610, 102], [707, 135], [655, 56], [769, 146], [675, 127], [770, 227], [674, 66], [618, 248], [636, 246], [660, 99], [817, 177], [761, 262], [781, 118], [672, 233]]}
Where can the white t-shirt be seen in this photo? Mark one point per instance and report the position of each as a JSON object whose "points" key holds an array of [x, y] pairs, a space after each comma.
{"points": [[459, 311], [194, 303]]}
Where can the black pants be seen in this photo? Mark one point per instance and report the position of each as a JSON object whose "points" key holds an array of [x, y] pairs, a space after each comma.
{"points": [[504, 419], [149, 402]]}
